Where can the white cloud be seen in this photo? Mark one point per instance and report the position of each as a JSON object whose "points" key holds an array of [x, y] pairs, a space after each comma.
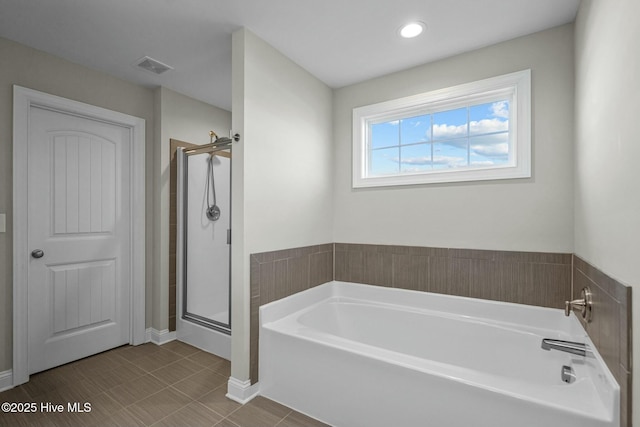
{"points": [[488, 126], [482, 163], [420, 161], [494, 150], [450, 161], [413, 170], [449, 131], [500, 109], [480, 127]]}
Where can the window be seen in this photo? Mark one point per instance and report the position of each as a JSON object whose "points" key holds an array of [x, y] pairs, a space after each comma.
{"points": [[472, 132]]}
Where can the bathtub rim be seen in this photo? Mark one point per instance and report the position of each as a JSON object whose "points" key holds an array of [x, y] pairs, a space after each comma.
{"points": [[299, 303], [340, 289]]}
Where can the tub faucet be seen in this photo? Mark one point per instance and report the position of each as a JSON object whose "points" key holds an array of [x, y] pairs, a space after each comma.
{"points": [[583, 305], [578, 348]]}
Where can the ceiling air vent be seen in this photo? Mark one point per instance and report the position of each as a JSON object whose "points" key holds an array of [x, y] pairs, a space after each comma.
{"points": [[153, 65]]}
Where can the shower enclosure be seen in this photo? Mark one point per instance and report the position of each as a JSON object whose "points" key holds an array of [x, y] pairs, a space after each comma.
{"points": [[204, 246]]}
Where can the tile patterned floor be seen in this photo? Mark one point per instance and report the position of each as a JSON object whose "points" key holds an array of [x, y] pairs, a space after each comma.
{"points": [[148, 385]]}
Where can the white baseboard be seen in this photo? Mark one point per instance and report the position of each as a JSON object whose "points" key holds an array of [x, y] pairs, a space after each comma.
{"points": [[6, 380], [241, 391], [203, 338], [159, 337]]}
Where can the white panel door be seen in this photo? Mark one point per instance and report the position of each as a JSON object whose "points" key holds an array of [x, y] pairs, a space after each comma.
{"points": [[79, 217]]}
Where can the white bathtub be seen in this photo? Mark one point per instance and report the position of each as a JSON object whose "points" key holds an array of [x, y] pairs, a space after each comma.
{"points": [[357, 355]]}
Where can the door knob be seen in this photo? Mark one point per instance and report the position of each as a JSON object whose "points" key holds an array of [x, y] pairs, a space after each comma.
{"points": [[37, 253]]}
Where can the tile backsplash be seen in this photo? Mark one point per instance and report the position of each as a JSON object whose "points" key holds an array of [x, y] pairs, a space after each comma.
{"points": [[610, 326], [275, 275], [533, 278]]}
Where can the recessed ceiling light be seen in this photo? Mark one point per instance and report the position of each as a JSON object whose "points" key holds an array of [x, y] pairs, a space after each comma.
{"points": [[412, 29]]}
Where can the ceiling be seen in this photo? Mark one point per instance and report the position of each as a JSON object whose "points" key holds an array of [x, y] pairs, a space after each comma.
{"points": [[339, 41]]}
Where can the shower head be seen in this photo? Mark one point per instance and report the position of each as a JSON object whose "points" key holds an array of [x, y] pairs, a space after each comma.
{"points": [[223, 141]]}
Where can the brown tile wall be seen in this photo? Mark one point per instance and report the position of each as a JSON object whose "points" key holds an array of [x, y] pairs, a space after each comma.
{"points": [[610, 326], [533, 278], [275, 275]]}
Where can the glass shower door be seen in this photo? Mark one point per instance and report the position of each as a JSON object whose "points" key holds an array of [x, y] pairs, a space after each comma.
{"points": [[206, 239]]}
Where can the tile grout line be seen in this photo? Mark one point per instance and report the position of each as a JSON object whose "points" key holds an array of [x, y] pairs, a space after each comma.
{"points": [[197, 401], [182, 358], [227, 419], [109, 377], [283, 418], [168, 415], [229, 414]]}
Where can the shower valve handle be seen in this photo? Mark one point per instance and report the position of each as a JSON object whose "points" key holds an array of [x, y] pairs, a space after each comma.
{"points": [[583, 305]]}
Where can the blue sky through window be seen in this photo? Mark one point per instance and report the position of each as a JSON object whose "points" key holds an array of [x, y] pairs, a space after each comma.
{"points": [[415, 129], [468, 137]]}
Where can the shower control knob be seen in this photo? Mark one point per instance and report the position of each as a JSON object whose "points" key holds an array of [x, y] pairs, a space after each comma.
{"points": [[37, 253], [213, 213]]}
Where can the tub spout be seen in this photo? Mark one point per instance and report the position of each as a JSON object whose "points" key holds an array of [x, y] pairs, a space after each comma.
{"points": [[578, 348]]}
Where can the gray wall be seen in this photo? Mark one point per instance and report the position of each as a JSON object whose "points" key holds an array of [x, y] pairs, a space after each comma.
{"points": [[282, 169], [607, 205], [189, 120], [533, 214], [40, 71]]}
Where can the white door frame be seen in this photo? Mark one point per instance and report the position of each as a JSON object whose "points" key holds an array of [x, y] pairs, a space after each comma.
{"points": [[23, 100]]}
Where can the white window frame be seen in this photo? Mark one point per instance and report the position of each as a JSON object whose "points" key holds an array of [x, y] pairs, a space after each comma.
{"points": [[516, 87]]}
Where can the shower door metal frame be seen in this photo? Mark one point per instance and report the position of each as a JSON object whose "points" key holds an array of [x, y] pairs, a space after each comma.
{"points": [[186, 315]]}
